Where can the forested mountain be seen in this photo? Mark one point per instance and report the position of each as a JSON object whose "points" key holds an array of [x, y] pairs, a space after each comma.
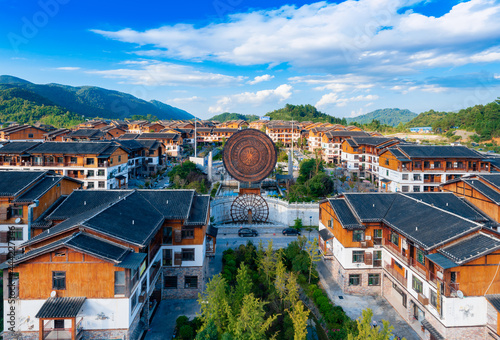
{"points": [[223, 117], [91, 101], [390, 117], [26, 107], [304, 113], [483, 119]]}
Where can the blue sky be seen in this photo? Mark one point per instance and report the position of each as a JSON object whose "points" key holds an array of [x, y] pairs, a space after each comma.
{"points": [[346, 58]]}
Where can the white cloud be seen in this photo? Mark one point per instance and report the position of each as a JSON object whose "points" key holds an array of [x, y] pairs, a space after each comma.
{"points": [[333, 98], [185, 100], [496, 76], [153, 73], [279, 94], [259, 79], [374, 36], [68, 68]]}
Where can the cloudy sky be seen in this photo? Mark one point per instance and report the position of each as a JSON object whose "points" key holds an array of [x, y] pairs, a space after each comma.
{"points": [[210, 56]]}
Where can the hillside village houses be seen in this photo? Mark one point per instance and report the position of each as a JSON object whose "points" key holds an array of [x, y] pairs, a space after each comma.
{"points": [[106, 260]]}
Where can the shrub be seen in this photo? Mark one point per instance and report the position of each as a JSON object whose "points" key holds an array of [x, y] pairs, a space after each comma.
{"points": [[317, 294], [181, 321], [186, 332]]}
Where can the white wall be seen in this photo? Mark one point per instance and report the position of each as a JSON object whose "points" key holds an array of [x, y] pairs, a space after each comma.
{"points": [[280, 211]]}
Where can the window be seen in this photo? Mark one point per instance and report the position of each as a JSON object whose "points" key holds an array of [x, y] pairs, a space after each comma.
{"points": [[167, 257], [427, 164], [133, 301], [90, 161], [448, 165], [100, 172], [377, 233], [354, 279], [417, 177], [119, 283], [421, 257], [453, 277], [394, 238], [358, 235], [101, 184], [60, 159], [433, 298], [119, 158], [387, 161], [437, 164], [58, 280], [405, 188], [358, 256], [59, 324], [90, 173], [90, 185], [373, 279], [417, 285], [16, 234], [416, 188], [387, 173], [30, 135], [167, 235], [73, 160], [191, 282], [405, 177], [60, 254], [188, 233], [170, 282], [188, 254], [16, 211]]}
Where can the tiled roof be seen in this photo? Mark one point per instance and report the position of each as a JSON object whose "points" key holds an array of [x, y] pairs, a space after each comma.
{"points": [[471, 248], [325, 234], [344, 214], [494, 299], [61, 307], [39, 189], [86, 133], [72, 148], [483, 189], [17, 147], [199, 210], [129, 136], [14, 182], [344, 133], [398, 154], [438, 151], [373, 141], [441, 261], [97, 247], [493, 179]]}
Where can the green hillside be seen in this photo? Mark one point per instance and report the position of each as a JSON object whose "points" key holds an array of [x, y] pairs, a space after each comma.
{"points": [[91, 101], [426, 118], [390, 117], [26, 107], [224, 117], [304, 113]]}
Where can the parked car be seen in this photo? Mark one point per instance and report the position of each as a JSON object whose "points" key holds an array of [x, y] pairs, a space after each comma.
{"points": [[247, 232], [290, 231]]}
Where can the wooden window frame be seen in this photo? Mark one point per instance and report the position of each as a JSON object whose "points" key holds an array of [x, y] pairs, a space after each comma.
{"points": [[373, 279], [353, 277], [56, 284]]}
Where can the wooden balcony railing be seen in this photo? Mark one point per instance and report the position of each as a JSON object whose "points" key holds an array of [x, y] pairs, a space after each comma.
{"points": [[391, 270], [417, 266]]}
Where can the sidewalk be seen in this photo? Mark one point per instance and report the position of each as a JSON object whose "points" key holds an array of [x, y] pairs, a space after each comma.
{"points": [[354, 304]]}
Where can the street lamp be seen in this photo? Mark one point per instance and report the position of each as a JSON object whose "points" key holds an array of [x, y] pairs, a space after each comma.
{"points": [[310, 227]]}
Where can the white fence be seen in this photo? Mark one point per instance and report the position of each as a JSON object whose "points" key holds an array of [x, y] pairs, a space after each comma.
{"points": [[280, 211]]}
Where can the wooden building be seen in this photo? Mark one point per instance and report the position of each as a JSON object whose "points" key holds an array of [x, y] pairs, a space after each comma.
{"points": [[22, 133], [423, 168], [107, 260], [96, 164], [431, 255], [331, 143]]}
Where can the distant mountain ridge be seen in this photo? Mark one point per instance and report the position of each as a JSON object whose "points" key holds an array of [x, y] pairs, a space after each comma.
{"points": [[385, 116], [92, 101], [303, 113], [224, 117]]}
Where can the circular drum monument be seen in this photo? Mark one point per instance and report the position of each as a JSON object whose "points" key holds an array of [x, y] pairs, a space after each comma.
{"points": [[249, 156]]}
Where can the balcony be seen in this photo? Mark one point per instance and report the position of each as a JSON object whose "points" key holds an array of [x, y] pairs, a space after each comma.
{"points": [[417, 266], [394, 250], [396, 275], [422, 299], [377, 263]]}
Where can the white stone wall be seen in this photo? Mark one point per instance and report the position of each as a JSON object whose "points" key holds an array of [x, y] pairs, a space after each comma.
{"points": [[280, 211]]}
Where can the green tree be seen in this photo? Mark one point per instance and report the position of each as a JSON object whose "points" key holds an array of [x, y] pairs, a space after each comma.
{"points": [[243, 286], [313, 253], [299, 316], [209, 332], [267, 263], [281, 280], [298, 223], [214, 303], [366, 331], [250, 323], [292, 288]]}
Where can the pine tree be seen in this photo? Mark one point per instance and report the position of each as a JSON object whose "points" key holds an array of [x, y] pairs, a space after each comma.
{"points": [[243, 286]]}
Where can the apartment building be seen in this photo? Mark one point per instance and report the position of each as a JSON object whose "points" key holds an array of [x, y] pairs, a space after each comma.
{"points": [[360, 155], [24, 197], [331, 144], [423, 168], [144, 156], [234, 124], [284, 132], [170, 143], [87, 135], [103, 267], [315, 138], [99, 165], [431, 255]]}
